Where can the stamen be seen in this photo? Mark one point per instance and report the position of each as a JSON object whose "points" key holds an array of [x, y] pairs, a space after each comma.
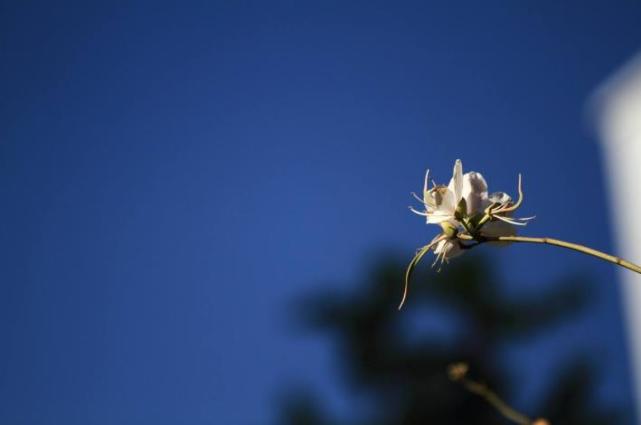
{"points": [[437, 258], [510, 220], [422, 201], [423, 213], [518, 202]]}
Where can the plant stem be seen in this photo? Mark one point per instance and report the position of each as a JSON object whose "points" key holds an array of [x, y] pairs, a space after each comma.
{"points": [[576, 247], [493, 399], [458, 373]]}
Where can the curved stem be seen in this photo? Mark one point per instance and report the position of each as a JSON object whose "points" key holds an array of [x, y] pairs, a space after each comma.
{"points": [[410, 268], [573, 246], [458, 373], [494, 400]]}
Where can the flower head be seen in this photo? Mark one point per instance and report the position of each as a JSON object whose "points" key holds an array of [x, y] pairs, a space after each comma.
{"points": [[465, 204], [441, 201], [466, 213]]}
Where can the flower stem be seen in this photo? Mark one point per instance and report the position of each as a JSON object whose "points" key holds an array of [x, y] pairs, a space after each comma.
{"points": [[576, 247], [494, 400], [458, 373]]}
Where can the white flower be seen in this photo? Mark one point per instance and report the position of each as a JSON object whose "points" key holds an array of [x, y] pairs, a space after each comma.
{"points": [[441, 201], [466, 193], [474, 192], [467, 215], [464, 200], [446, 249], [463, 207]]}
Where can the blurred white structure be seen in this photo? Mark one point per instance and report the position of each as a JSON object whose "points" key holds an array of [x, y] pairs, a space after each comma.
{"points": [[618, 116]]}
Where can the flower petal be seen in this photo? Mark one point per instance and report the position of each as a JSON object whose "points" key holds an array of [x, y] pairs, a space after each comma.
{"points": [[500, 198], [448, 201], [456, 183], [426, 182], [436, 218], [475, 192], [446, 249], [498, 228]]}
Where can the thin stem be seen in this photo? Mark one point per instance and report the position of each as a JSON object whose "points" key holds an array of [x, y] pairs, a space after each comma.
{"points": [[493, 399], [410, 268], [458, 373], [576, 247]]}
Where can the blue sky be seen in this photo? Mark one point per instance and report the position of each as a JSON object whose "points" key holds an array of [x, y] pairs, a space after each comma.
{"points": [[173, 175]]}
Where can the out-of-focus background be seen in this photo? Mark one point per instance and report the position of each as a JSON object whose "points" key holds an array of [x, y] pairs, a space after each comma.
{"points": [[203, 211]]}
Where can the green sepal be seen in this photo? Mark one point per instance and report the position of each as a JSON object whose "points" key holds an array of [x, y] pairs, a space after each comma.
{"points": [[476, 220], [461, 209], [448, 229]]}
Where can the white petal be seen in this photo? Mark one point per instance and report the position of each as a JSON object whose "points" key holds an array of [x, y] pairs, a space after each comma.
{"points": [[448, 249], [440, 246], [475, 192], [436, 218], [500, 198], [426, 183], [448, 203], [498, 228], [456, 183]]}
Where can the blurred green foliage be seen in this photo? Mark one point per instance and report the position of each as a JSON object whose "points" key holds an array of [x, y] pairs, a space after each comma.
{"points": [[406, 380]]}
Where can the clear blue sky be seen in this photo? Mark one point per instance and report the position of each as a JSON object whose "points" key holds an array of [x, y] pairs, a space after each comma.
{"points": [[173, 175]]}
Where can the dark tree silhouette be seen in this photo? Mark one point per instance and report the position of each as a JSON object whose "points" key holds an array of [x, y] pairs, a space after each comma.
{"points": [[407, 380]]}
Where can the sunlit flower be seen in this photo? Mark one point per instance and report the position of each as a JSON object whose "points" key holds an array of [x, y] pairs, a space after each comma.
{"points": [[441, 201], [446, 249], [464, 205], [469, 216]]}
